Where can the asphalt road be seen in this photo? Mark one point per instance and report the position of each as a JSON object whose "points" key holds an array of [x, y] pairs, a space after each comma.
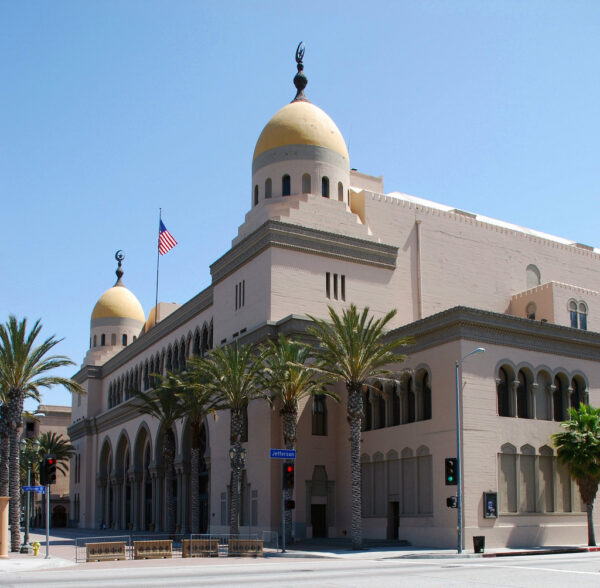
{"points": [[550, 571]]}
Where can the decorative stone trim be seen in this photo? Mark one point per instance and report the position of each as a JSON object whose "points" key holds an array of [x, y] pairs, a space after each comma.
{"points": [[287, 236]]}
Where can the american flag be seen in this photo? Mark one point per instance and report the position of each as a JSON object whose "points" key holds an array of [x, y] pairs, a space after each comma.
{"points": [[166, 242]]}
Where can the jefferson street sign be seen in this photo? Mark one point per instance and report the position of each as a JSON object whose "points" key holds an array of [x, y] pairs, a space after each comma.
{"points": [[40, 489], [283, 454]]}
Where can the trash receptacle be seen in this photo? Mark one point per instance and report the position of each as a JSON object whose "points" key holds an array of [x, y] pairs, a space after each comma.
{"points": [[478, 543]]}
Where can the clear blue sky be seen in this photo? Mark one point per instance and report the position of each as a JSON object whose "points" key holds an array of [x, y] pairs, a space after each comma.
{"points": [[112, 109]]}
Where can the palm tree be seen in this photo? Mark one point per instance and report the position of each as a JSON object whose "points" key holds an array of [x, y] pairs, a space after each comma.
{"points": [[198, 401], [23, 366], [233, 374], [53, 444], [164, 404], [578, 446], [352, 349], [289, 382]]}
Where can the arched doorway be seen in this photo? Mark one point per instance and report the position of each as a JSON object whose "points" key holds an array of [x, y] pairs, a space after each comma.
{"points": [[59, 516]]}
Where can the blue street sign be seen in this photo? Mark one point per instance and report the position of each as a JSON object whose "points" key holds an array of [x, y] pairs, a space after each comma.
{"points": [[40, 489], [283, 454]]}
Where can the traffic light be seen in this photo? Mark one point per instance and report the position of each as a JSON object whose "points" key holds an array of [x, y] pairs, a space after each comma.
{"points": [[452, 502], [287, 476], [48, 470], [290, 504], [451, 469]]}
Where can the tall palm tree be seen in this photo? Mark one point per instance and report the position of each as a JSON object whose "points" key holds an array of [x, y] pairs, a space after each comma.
{"points": [[233, 374], [352, 348], [578, 446], [23, 369], [164, 404], [289, 382], [198, 401]]}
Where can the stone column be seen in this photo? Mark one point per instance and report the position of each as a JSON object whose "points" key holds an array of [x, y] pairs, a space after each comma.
{"points": [[185, 507], [551, 390], [533, 395], [135, 481], [512, 400], [180, 505], [4, 540]]}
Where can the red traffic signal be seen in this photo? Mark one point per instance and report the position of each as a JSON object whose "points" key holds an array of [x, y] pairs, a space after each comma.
{"points": [[48, 470], [287, 478]]}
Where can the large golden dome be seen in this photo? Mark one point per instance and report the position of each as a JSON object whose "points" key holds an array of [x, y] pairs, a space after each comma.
{"points": [[301, 123], [118, 302]]}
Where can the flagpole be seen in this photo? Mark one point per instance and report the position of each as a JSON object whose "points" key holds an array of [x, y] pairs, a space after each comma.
{"points": [[157, 266]]}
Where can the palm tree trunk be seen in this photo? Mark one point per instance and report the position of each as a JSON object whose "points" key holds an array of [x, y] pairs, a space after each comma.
{"points": [[590, 523], [15, 413], [169, 479], [237, 464], [195, 484], [289, 438], [4, 459], [355, 417]]}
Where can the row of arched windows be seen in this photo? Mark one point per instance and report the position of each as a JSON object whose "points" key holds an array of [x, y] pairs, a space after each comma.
{"points": [[113, 340], [286, 187], [171, 359], [388, 403], [543, 396]]}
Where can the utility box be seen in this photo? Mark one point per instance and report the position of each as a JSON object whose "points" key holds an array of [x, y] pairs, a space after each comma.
{"points": [[490, 505]]}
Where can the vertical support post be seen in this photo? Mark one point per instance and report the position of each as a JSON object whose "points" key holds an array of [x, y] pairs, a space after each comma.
{"points": [[47, 521], [459, 464], [282, 519]]}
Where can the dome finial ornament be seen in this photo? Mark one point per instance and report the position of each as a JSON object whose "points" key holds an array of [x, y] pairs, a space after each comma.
{"points": [[119, 256], [300, 80]]}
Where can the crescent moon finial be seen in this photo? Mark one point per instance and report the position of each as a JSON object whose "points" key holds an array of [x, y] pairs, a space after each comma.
{"points": [[119, 256], [300, 80]]}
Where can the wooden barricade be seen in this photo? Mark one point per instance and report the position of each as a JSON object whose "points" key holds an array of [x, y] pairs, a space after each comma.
{"points": [[154, 549], [200, 548], [104, 551], [245, 547]]}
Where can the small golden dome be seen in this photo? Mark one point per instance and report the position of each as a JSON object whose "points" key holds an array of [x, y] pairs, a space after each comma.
{"points": [[301, 123], [118, 302]]}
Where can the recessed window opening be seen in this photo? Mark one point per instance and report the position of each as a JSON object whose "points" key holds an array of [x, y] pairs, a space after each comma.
{"points": [[256, 195], [95, 341], [325, 187], [328, 285], [335, 286], [286, 185], [240, 294], [306, 187], [113, 339], [268, 188], [531, 311], [573, 313], [578, 314], [102, 340], [343, 287], [340, 192], [124, 340], [502, 393], [583, 316]]}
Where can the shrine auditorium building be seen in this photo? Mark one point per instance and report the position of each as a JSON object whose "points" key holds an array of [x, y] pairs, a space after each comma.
{"points": [[319, 233]]}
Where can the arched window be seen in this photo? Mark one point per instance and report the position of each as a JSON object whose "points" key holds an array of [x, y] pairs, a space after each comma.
{"points": [[286, 185], [583, 316], [530, 312], [340, 191], [576, 394], [533, 276], [94, 340], [268, 188], [502, 392], [124, 340], [573, 313], [103, 340], [325, 187], [319, 415], [113, 339], [395, 404], [522, 400], [557, 398], [256, 195], [426, 391], [306, 187], [410, 402]]}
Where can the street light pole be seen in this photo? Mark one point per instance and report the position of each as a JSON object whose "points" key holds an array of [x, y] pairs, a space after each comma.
{"points": [[459, 494]]}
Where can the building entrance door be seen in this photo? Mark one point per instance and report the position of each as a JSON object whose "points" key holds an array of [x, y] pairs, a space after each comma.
{"points": [[318, 520], [393, 520]]}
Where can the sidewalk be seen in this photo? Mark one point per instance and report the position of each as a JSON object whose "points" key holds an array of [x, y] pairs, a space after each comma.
{"points": [[62, 554]]}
